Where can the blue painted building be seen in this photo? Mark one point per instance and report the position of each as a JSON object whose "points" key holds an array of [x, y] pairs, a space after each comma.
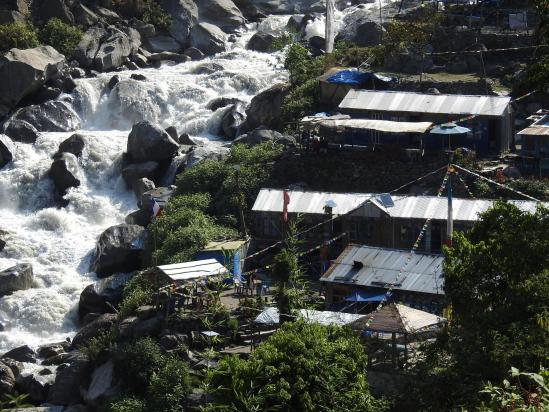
{"points": [[227, 252]]}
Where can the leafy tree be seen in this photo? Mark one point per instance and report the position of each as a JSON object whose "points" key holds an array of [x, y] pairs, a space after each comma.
{"points": [[301, 65], [302, 367], [138, 291], [497, 281], [168, 389], [155, 15], [526, 392], [61, 36], [18, 35]]}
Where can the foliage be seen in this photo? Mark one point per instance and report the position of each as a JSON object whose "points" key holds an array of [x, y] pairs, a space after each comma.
{"points": [[155, 15], [301, 101], [98, 344], [301, 66], [15, 401], [18, 35], [127, 404], [529, 392], [497, 281], [302, 367], [137, 292], [61, 36], [169, 387]]}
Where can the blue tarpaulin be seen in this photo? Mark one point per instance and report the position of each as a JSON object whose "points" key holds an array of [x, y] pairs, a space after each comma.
{"points": [[352, 77], [362, 296]]}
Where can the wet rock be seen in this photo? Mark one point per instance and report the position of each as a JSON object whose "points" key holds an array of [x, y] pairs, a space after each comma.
{"points": [[15, 366], [49, 9], [89, 45], [119, 249], [21, 131], [172, 131], [102, 295], [141, 186], [18, 277], [184, 15], [265, 108], [113, 82], [209, 39], [222, 13], [194, 53], [74, 144], [7, 150], [232, 119], [295, 23], [7, 380], [113, 51], [139, 217], [136, 171], [185, 140], [102, 324], [77, 73], [58, 359], [68, 84], [148, 141], [158, 44], [2, 246], [262, 42], [21, 354], [46, 93], [101, 385], [208, 68], [52, 116], [27, 70], [52, 349], [65, 172], [169, 56], [139, 77], [39, 387], [66, 388], [141, 60]]}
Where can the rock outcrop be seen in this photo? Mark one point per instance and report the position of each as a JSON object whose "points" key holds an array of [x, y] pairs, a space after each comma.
{"points": [[21, 354], [222, 13], [261, 135], [184, 15], [209, 39], [19, 277], [66, 388], [102, 295], [148, 141], [102, 324], [232, 119], [21, 131], [158, 44], [265, 108], [119, 249], [65, 172], [74, 144], [52, 116], [24, 71]]}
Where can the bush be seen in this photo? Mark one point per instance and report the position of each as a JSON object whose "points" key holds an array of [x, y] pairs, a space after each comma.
{"points": [[155, 15], [61, 36], [301, 66], [18, 35], [302, 367], [98, 344], [138, 291], [169, 388], [127, 404], [301, 101]]}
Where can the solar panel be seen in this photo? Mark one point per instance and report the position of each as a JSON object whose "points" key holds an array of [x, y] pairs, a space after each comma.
{"points": [[385, 199]]}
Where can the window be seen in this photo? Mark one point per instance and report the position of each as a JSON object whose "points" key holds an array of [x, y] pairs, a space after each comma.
{"points": [[360, 229]]}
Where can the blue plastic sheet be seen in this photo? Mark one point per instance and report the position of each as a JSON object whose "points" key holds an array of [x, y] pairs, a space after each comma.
{"points": [[352, 77]]}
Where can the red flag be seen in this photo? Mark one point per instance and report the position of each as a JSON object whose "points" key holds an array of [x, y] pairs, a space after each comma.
{"points": [[286, 197]]}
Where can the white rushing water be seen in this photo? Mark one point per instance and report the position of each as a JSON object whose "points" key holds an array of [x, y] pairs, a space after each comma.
{"points": [[59, 242]]}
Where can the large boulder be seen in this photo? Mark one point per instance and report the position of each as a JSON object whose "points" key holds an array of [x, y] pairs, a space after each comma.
{"points": [[148, 141], [265, 108], [209, 39], [89, 45], [21, 131], [158, 44], [169, 56], [262, 42], [20, 6], [220, 102], [52, 116], [222, 13], [49, 9], [119, 249], [232, 119], [103, 323], [184, 15], [7, 380], [102, 295], [19, 277], [65, 172], [101, 385], [202, 153], [139, 217], [21, 354], [66, 390], [137, 171], [208, 68], [113, 51], [35, 385], [360, 29], [141, 186], [261, 135], [83, 16], [6, 150], [24, 71]]}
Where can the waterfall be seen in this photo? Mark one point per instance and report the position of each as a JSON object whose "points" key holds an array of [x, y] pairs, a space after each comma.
{"points": [[59, 242]]}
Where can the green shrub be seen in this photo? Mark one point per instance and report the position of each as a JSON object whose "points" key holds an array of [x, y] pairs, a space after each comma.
{"points": [[169, 388], [301, 101], [127, 404], [99, 344], [155, 15], [61, 36], [301, 66], [139, 291], [18, 35], [137, 362]]}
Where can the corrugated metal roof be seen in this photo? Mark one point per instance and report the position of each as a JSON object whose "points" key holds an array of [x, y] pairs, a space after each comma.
{"points": [[193, 270], [409, 102], [381, 268], [405, 207], [539, 128], [271, 200], [230, 244], [379, 125]]}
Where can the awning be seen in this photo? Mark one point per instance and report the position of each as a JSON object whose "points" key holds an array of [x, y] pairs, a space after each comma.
{"points": [[362, 296], [379, 125], [449, 128]]}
